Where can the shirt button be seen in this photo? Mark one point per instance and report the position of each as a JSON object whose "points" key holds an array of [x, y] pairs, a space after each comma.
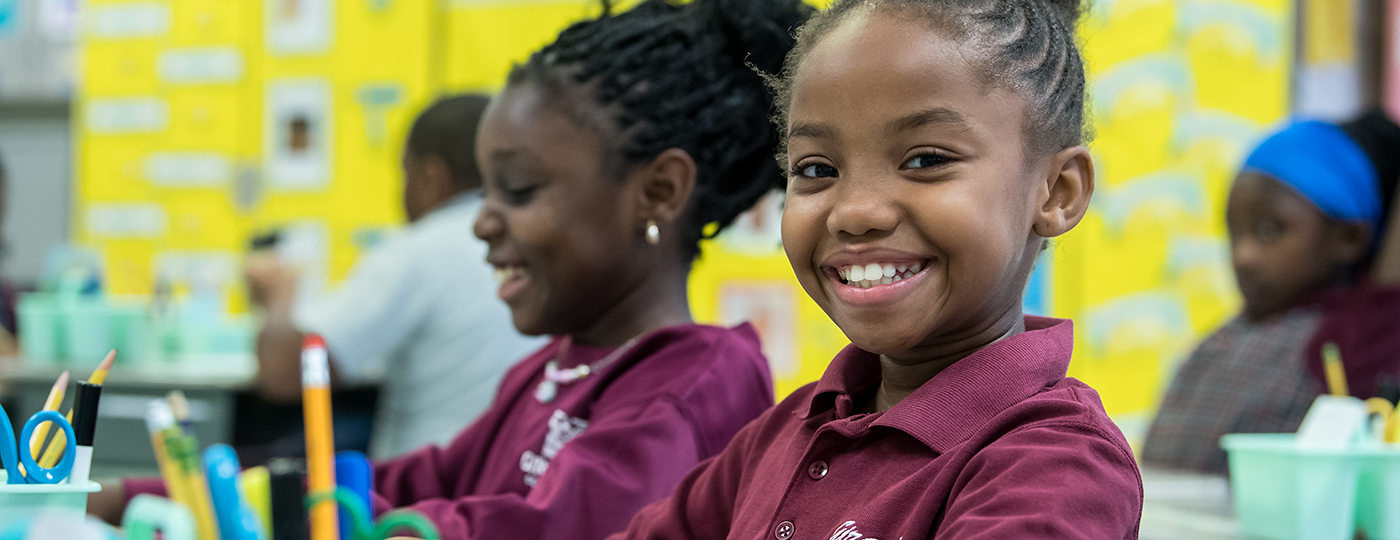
{"points": [[817, 470], [784, 530]]}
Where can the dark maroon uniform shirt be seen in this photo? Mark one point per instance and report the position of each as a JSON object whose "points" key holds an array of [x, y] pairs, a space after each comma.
{"points": [[1364, 322], [999, 445], [579, 466]]}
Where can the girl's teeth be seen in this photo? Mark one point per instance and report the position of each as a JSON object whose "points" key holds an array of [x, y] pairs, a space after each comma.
{"points": [[865, 276], [873, 271]]}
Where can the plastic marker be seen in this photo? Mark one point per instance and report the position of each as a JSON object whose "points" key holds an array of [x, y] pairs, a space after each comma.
{"points": [[1332, 368], [353, 472], [320, 441], [55, 448], [159, 419], [236, 520], [287, 491], [84, 426], [256, 491], [181, 407]]}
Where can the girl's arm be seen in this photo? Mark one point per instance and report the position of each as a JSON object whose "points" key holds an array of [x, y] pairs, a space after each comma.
{"points": [[1056, 480], [624, 460]]}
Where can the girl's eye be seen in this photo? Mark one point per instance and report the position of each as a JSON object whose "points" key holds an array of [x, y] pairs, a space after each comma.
{"points": [[815, 170], [518, 196], [925, 161], [1268, 230]]}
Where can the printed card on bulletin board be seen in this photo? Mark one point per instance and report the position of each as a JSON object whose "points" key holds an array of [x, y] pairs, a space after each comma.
{"points": [[297, 135], [771, 309], [298, 26]]}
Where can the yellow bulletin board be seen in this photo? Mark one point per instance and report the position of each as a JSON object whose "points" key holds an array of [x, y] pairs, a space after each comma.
{"points": [[1180, 89], [188, 142]]}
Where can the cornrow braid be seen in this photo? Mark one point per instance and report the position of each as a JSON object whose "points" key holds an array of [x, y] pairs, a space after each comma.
{"points": [[1024, 45], [682, 76]]}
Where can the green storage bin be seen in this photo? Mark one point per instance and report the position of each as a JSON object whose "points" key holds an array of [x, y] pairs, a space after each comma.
{"points": [[1378, 493], [41, 335], [1283, 492], [88, 329]]}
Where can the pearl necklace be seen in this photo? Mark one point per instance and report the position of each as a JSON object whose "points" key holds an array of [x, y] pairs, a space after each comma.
{"points": [[553, 376]]}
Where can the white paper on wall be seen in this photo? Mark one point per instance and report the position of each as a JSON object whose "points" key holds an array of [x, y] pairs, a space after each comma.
{"points": [[296, 134], [298, 26], [126, 220], [113, 116], [200, 65], [188, 169], [125, 20]]}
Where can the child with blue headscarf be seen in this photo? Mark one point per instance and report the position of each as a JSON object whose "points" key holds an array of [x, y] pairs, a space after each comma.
{"points": [[1315, 263]]}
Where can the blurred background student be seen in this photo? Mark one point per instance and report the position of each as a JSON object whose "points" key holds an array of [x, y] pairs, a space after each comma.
{"points": [[418, 313], [1317, 261]]}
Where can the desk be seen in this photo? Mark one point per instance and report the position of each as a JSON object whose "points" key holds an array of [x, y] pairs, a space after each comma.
{"points": [[122, 444], [1183, 505]]}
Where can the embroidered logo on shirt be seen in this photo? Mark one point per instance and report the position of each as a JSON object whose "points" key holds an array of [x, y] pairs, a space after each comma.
{"points": [[562, 429], [847, 531]]}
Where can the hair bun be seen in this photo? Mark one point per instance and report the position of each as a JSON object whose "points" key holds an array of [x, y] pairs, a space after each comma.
{"points": [[759, 32]]}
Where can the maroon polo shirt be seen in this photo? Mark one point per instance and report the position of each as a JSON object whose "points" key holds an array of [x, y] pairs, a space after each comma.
{"points": [[580, 465], [998, 445]]}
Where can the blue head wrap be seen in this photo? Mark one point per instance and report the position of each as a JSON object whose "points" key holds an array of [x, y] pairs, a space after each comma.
{"points": [[1327, 167]]}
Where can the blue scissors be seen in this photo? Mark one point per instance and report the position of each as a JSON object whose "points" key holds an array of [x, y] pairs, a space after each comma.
{"points": [[11, 456]]}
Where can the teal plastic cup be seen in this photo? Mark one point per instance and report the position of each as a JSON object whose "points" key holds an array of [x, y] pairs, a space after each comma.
{"points": [[1378, 493], [20, 502], [1283, 492], [41, 338], [88, 328]]}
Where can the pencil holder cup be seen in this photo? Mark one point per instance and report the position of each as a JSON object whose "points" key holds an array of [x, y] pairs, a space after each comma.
{"points": [[41, 336], [1378, 493], [20, 502], [1283, 492], [88, 324], [49, 527]]}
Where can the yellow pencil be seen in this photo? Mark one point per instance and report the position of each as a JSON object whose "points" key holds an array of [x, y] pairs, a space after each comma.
{"points": [[184, 454], [320, 441], [36, 440], [54, 452], [1332, 368]]}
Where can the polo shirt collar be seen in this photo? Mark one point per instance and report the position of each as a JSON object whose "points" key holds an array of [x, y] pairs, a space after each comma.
{"points": [[948, 408]]}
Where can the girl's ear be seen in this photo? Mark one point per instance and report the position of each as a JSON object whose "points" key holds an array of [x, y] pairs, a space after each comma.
{"points": [[664, 187], [1349, 242], [1064, 195]]}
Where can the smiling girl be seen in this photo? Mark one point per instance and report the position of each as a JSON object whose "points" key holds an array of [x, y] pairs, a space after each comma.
{"points": [[932, 146], [605, 160]]}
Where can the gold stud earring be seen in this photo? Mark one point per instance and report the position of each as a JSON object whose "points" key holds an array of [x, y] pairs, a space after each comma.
{"points": [[653, 232]]}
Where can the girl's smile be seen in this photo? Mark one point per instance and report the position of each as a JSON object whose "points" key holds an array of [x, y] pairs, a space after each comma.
{"points": [[874, 277]]}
